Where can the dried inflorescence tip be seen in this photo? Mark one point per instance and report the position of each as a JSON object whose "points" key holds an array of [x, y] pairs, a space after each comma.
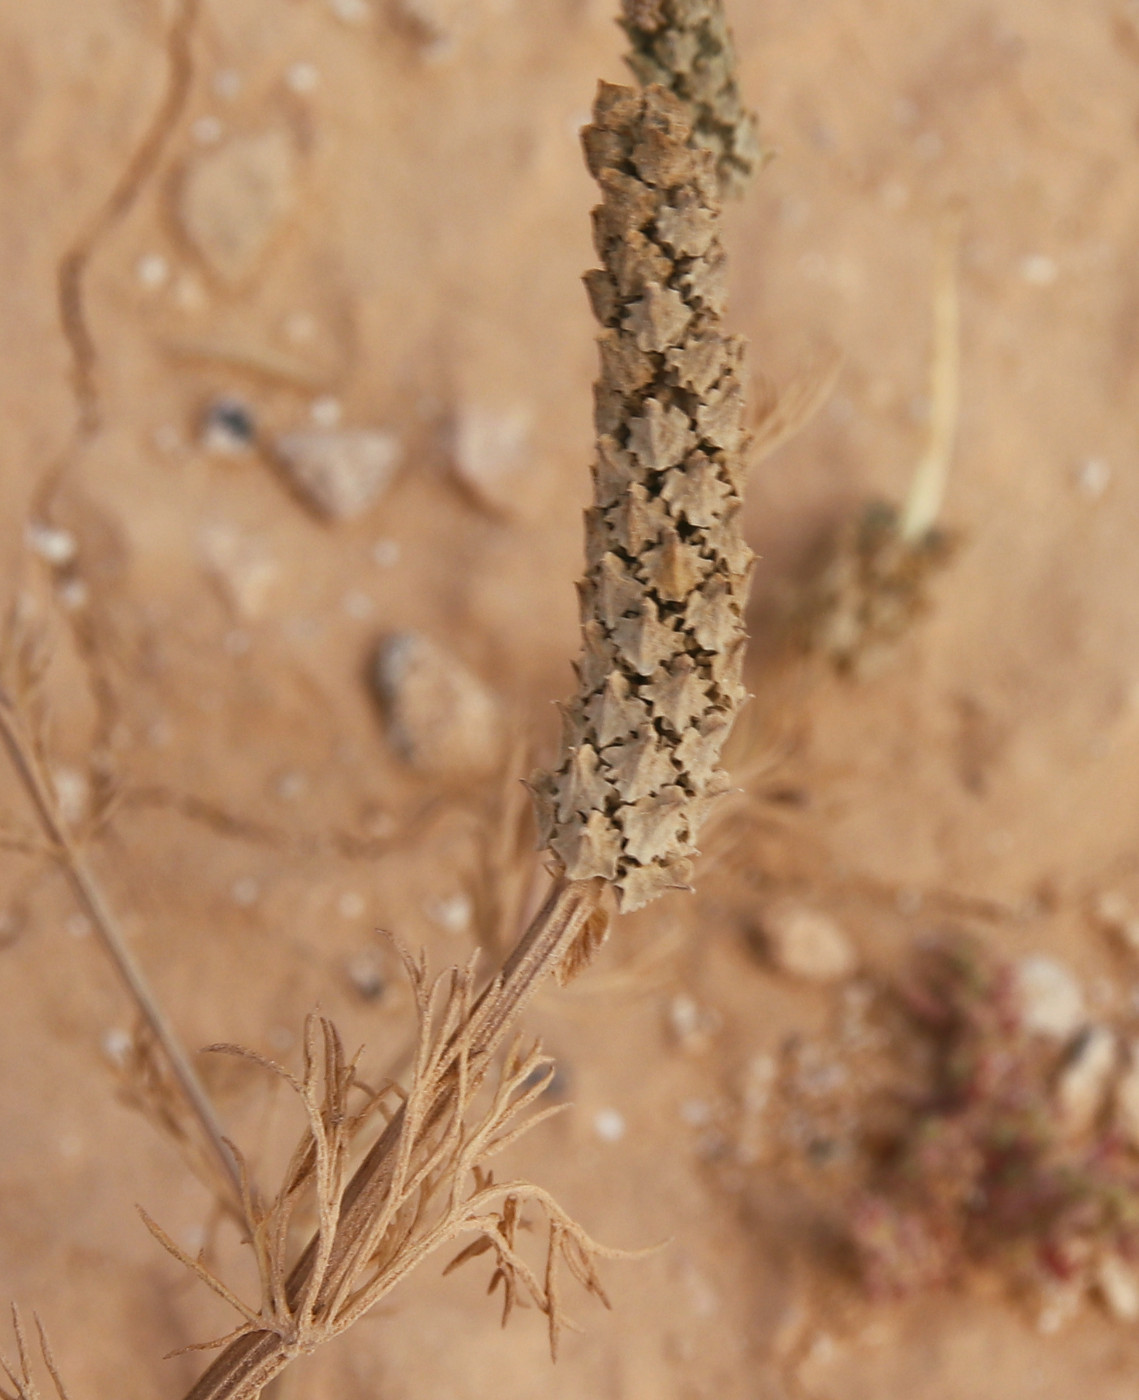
{"points": [[686, 46], [667, 566]]}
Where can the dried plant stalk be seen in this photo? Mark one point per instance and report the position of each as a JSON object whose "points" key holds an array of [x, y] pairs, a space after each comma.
{"points": [[686, 46], [667, 567], [373, 1228]]}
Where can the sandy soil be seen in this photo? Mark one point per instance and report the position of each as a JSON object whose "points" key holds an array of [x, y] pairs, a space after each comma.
{"points": [[426, 267]]}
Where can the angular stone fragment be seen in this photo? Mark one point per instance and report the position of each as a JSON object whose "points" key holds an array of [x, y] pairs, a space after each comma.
{"points": [[639, 766], [440, 717], [233, 198], [660, 437], [340, 474], [677, 693], [806, 942], [658, 318], [643, 641], [653, 826]]}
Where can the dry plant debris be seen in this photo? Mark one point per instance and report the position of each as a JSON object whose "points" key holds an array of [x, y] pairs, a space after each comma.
{"points": [[1007, 1151], [686, 46], [660, 677], [19, 1376]]}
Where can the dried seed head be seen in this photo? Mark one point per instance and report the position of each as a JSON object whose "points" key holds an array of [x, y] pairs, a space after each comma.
{"points": [[686, 46], [667, 566]]}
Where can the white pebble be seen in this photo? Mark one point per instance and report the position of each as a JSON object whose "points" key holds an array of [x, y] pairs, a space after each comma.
{"points": [[72, 794], [1038, 270], [79, 926], [339, 473], [1081, 1088], [245, 892], [326, 411], [1051, 1001], [117, 1045], [1093, 477], [351, 11], [453, 914], [208, 130], [351, 904], [807, 943], [302, 78], [1119, 1287], [227, 83], [609, 1125], [153, 271], [55, 547]]}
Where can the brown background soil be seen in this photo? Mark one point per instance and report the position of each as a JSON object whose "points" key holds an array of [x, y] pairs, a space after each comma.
{"points": [[436, 246]]}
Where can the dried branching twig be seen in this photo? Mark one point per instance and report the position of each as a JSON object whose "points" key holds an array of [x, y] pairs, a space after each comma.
{"points": [[21, 733], [417, 1189]]}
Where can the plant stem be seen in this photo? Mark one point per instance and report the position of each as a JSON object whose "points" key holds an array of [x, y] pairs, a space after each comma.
{"points": [[927, 490], [109, 931], [248, 1364]]}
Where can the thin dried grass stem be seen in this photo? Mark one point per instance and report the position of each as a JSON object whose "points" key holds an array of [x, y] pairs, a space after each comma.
{"points": [[28, 766]]}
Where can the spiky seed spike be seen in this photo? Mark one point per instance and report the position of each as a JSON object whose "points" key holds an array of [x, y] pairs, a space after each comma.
{"points": [[662, 602]]}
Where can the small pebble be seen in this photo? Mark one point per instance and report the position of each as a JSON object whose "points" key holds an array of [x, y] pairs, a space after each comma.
{"points": [[386, 553], [1118, 1285], [609, 1125], [1082, 1085], [1050, 998], [351, 11], [351, 904], [440, 716], [806, 943], [208, 130], [117, 1045], [1093, 477], [153, 271], [690, 1025], [489, 448], [1116, 915], [290, 786], [228, 428], [243, 569], [365, 973], [245, 892], [55, 547], [234, 197], [326, 411], [1038, 270], [72, 794], [339, 474], [302, 78], [227, 84], [453, 914]]}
